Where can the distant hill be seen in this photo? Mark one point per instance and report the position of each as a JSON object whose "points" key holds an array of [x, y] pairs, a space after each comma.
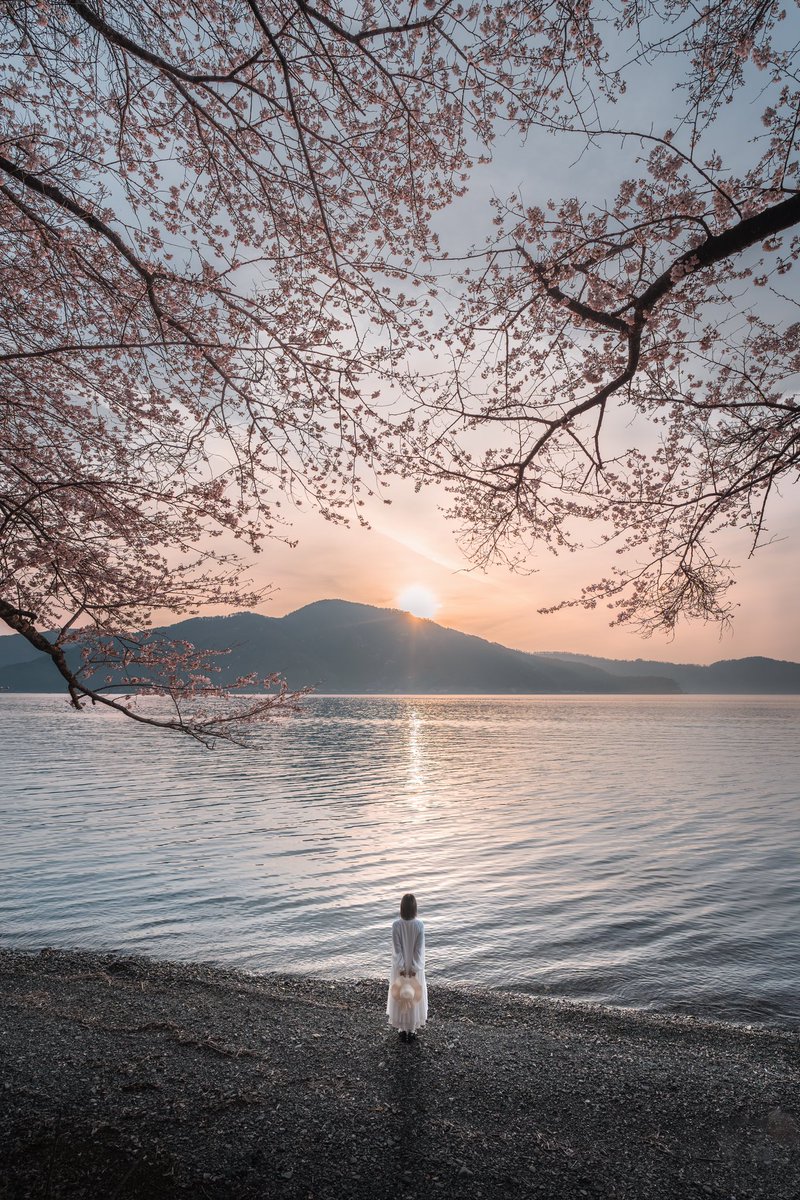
{"points": [[336, 646], [732, 676]]}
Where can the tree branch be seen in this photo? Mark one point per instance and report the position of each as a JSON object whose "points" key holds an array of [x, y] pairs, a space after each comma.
{"points": [[747, 232]]}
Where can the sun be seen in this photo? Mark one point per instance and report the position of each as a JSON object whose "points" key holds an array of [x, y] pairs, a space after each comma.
{"points": [[419, 601]]}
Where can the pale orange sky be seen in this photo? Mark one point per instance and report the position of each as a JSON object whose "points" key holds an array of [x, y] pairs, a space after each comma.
{"points": [[411, 543]]}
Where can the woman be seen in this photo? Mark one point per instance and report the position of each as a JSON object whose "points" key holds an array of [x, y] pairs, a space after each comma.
{"points": [[408, 962]]}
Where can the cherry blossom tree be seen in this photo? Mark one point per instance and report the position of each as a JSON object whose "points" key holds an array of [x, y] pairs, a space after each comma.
{"points": [[216, 220], [623, 366], [218, 253]]}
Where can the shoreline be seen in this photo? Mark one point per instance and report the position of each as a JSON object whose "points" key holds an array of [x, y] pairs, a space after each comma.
{"points": [[132, 1077], [770, 1022]]}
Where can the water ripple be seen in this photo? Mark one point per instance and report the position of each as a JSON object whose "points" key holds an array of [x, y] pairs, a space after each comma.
{"points": [[617, 849]]}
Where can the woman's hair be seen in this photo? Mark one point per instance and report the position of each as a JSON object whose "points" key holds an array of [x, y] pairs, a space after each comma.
{"points": [[408, 906]]}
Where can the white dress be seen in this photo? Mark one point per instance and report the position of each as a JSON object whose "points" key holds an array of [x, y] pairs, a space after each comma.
{"points": [[408, 954]]}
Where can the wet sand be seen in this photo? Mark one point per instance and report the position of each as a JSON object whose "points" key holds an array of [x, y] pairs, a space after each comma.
{"points": [[125, 1077]]}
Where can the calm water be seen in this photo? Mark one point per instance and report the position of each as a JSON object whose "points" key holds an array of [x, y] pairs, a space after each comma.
{"points": [[635, 850]]}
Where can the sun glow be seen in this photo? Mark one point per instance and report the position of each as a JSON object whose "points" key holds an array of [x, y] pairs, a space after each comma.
{"points": [[419, 601]]}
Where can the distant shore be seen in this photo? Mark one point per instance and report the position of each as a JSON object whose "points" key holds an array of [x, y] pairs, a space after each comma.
{"points": [[126, 1077]]}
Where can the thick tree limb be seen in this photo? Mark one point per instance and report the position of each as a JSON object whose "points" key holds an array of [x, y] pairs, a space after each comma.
{"points": [[716, 248]]}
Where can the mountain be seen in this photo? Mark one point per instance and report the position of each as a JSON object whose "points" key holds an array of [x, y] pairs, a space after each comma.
{"points": [[730, 676], [14, 648], [336, 646]]}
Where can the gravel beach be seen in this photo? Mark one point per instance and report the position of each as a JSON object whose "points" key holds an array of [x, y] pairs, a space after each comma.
{"points": [[126, 1077]]}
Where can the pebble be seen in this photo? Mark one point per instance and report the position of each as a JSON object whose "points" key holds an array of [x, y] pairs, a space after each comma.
{"points": [[544, 1101]]}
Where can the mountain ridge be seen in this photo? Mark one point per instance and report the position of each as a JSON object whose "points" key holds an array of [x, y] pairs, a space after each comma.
{"points": [[338, 646], [342, 646], [752, 675]]}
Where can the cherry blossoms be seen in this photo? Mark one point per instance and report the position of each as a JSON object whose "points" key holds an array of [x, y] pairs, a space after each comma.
{"points": [[623, 365], [216, 222]]}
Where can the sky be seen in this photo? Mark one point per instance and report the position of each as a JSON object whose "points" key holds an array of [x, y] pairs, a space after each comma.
{"points": [[410, 542]]}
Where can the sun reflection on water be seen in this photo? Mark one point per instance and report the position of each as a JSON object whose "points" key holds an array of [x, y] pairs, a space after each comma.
{"points": [[418, 788]]}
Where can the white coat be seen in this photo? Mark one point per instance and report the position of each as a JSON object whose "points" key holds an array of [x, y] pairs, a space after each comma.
{"points": [[408, 954]]}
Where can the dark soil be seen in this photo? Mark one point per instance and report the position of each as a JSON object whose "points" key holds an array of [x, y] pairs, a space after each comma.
{"points": [[123, 1077]]}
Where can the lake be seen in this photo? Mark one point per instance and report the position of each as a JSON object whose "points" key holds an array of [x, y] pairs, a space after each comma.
{"points": [[627, 850]]}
